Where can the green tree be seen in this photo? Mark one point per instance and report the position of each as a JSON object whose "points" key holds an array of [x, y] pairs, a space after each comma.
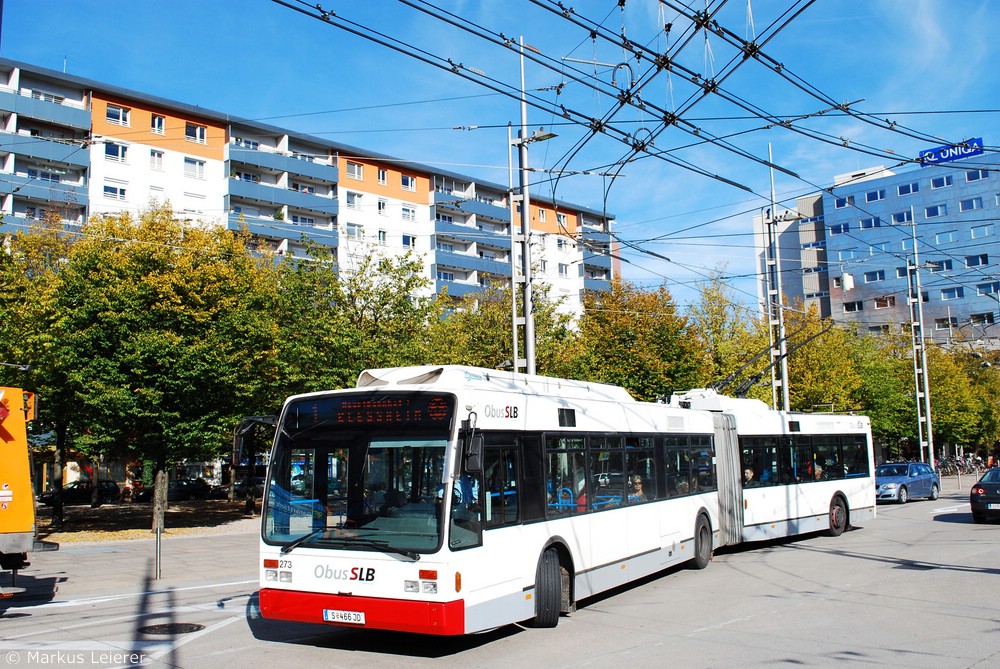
{"points": [[635, 338], [478, 331], [731, 335], [886, 391], [168, 332]]}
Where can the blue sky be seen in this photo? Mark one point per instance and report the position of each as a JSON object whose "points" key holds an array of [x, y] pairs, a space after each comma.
{"points": [[928, 65]]}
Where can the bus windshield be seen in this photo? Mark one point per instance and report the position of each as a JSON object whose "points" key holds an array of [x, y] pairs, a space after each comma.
{"points": [[359, 473]]}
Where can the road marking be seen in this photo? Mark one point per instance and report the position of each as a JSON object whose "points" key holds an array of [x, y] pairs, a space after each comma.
{"points": [[945, 509]]}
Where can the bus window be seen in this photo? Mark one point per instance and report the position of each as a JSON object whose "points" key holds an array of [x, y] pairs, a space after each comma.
{"points": [[678, 468], [608, 473], [500, 472], [640, 469], [566, 477]]}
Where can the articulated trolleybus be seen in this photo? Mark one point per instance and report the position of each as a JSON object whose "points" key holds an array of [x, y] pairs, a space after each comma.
{"points": [[451, 500]]}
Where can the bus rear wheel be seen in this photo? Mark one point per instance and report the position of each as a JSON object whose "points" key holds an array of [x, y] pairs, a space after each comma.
{"points": [[548, 590], [702, 543], [838, 517]]}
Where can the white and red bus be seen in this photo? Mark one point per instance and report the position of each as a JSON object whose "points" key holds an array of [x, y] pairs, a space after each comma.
{"points": [[451, 500]]}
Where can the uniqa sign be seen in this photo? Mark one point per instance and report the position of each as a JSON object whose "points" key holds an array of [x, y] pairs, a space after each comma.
{"points": [[946, 154]]}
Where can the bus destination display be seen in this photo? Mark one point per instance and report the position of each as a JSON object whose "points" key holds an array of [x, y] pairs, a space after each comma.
{"points": [[382, 409]]}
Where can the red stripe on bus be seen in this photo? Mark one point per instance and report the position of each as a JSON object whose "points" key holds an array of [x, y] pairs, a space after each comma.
{"points": [[444, 618]]}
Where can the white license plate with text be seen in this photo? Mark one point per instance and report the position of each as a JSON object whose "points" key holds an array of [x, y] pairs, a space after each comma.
{"points": [[352, 617]]}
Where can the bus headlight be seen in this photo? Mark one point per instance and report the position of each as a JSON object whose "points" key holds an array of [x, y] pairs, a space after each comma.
{"points": [[270, 574], [411, 586]]}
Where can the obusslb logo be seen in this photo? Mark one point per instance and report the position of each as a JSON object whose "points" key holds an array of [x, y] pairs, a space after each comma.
{"points": [[352, 574], [500, 412]]}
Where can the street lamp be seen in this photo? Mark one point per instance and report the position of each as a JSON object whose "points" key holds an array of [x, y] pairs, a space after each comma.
{"points": [[522, 141], [23, 368]]}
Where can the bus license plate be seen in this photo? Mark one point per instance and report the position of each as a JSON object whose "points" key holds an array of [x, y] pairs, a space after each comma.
{"points": [[993, 506], [353, 617]]}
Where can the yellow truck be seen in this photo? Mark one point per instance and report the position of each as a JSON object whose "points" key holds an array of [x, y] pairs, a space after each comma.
{"points": [[17, 499]]}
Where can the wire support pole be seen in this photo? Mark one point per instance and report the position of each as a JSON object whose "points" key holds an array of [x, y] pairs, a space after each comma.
{"points": [[921, 384]]}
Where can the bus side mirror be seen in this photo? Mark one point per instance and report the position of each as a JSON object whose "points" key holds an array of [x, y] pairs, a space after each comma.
{"points": [[474, 453]]}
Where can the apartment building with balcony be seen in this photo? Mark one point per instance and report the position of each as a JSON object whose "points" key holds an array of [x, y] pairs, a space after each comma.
{"points": [[854, 249], [78, 148]]}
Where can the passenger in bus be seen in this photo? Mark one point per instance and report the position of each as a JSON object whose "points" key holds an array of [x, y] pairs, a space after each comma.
{"points": [[636, 493], [749, 480], [818, 472]]}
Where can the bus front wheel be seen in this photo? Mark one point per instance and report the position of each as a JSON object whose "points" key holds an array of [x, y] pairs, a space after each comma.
{"points": [[702, 543], [548, 590]]}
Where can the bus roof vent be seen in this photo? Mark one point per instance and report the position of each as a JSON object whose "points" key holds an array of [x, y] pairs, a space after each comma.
{"points": [[428, 377], [367, 379]]}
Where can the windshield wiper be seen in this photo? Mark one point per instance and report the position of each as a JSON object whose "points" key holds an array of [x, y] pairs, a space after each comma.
{"points": [[386, 548], [295, 543]]}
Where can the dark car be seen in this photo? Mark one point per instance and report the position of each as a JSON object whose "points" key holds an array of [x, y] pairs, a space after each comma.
{"points": [[82, 492], [178, 490], [901, 481], [985, 496]]}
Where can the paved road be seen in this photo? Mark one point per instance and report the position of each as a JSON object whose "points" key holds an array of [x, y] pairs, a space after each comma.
{"points": [[914, 588]]}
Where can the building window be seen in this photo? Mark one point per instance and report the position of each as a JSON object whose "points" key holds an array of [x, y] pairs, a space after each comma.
{"points": [[869, 223], [383, 206], [847, 254], [561, 244], [445, 247], [954, 293], [445, 276], [840, 229], [976, 175], [875, 195], [563, 270], [945, 237], [941, 182], [353, 200], [940, 265], [541, 215], [946, 323], [247, 176], [988, 288], [936, 210], [383, 238], [901, 272], [444, 218], [118, 115], [977, 260], [114, 192], [44, 175], [885, 302], [901, 217], [383, 176], [195, 133], [980, 231], [115, 152], [881, 247], [877, 275], [409, 213], [194, 168], [47, 97], [970, 204], [355, 231], [156, 160], [409, 242], [561, 220], [815, 245], [355, 170], [851, 307], [245, 143], [157, 124], [842, 202], [908, 189], [982, 319], [409, 183], [303, 220]]}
